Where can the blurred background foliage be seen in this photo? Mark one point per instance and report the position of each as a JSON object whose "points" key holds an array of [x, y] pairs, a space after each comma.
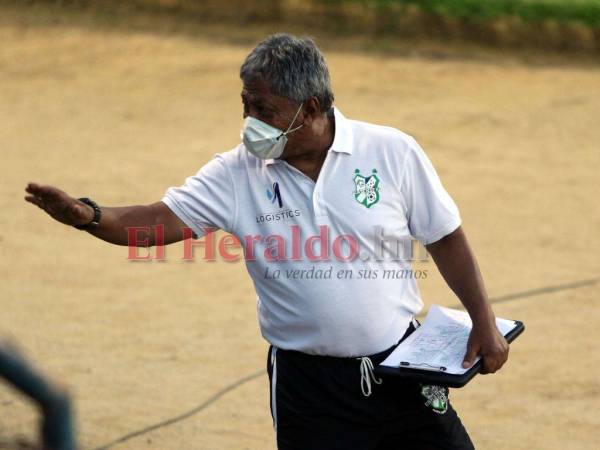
{"points": [[583, 11], [552, 24]]}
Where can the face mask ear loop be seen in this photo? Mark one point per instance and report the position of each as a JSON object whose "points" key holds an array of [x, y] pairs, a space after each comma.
{"points": [[289, 130]]}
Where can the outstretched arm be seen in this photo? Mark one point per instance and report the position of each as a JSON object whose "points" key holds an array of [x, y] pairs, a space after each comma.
{"points": [[457, 264], [114, 221]]}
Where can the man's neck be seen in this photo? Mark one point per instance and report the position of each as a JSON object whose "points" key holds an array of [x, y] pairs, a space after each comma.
{"points": [[311, 161]]}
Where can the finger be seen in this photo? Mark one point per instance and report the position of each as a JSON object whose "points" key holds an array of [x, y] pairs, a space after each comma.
{"points": [[47, 192], [32, 188], [35, 200], [493, 363], [502, 358], [470, 356], [50, 193], [497, 359], [490, 365]]}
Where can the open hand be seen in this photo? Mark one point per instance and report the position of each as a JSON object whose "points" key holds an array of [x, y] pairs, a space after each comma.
{"points": [[488, 343], [59, 205]]}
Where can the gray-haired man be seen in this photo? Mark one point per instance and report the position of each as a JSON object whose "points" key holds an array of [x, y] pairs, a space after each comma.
{"points": [[327, 307]]}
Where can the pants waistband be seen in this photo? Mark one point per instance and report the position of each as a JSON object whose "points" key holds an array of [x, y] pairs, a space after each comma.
{"points": [[376, 358]]}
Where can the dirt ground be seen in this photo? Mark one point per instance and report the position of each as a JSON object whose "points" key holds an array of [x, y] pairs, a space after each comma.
{"points": [[120, 116]]}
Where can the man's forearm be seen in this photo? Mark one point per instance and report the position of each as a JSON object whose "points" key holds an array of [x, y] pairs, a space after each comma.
{"points": [[457, 264], [116, 220]]}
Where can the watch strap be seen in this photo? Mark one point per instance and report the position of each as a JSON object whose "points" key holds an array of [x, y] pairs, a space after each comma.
{"points": [[97, 214]]}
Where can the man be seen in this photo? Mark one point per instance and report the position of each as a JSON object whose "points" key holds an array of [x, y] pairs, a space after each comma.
{"points": [[331, 312]]}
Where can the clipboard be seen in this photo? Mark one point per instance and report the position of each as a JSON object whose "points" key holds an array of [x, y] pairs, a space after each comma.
{"points": [[437, 376]]}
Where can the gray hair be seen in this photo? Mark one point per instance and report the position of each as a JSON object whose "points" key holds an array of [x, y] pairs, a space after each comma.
{"points": [[292, 67]]}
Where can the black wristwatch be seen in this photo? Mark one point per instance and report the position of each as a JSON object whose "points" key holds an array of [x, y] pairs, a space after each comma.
{"points": [[97, 214]]}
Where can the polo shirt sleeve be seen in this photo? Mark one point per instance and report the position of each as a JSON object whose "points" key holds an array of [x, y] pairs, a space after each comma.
{"points": [[431, 212], [206, 200]]}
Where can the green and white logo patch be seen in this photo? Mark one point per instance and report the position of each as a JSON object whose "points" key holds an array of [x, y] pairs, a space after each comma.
{"points": [[436, 396], [366, 189]]}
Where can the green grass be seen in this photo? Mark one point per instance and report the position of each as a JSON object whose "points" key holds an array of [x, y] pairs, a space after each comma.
{"points": [[582, 11]]}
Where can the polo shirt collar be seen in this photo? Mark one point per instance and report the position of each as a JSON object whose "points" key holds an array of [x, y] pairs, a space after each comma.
{"points": [[342, 141]]}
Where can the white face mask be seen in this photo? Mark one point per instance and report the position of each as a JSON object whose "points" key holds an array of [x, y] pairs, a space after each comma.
{"points": [[263, 140]]}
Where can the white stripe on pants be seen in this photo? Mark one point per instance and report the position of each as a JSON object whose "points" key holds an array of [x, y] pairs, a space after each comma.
{"points": [[274, 386]]}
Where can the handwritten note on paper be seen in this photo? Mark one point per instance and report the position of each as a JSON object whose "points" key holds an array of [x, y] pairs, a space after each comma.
{"points": [[440, 342]]}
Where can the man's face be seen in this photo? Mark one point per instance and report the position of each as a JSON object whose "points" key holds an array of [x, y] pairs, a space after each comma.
{"points": [[277, 111]]}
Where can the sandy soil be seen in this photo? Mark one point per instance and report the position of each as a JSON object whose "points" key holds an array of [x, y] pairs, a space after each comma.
{"points": [[120, 116]]}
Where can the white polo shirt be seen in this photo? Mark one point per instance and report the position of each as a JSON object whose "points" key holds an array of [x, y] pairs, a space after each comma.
{"points": [[375, 181]]}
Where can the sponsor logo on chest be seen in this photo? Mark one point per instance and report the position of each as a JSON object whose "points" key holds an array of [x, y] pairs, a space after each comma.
{"points": [[273, 194]]}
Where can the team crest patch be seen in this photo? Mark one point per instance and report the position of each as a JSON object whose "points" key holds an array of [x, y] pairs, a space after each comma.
{"points": [[436, 396], [366, 189]]}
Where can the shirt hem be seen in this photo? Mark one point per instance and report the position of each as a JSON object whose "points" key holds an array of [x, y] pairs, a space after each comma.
{"points": [[442, 232], [173, 206]]}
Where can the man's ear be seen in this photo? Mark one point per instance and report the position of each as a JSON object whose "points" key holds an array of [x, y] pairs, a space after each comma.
{"points": [[312, 110]]}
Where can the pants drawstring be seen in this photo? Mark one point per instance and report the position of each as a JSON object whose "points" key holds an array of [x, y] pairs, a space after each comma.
{"points": [[366, 375], [367, 370]]}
